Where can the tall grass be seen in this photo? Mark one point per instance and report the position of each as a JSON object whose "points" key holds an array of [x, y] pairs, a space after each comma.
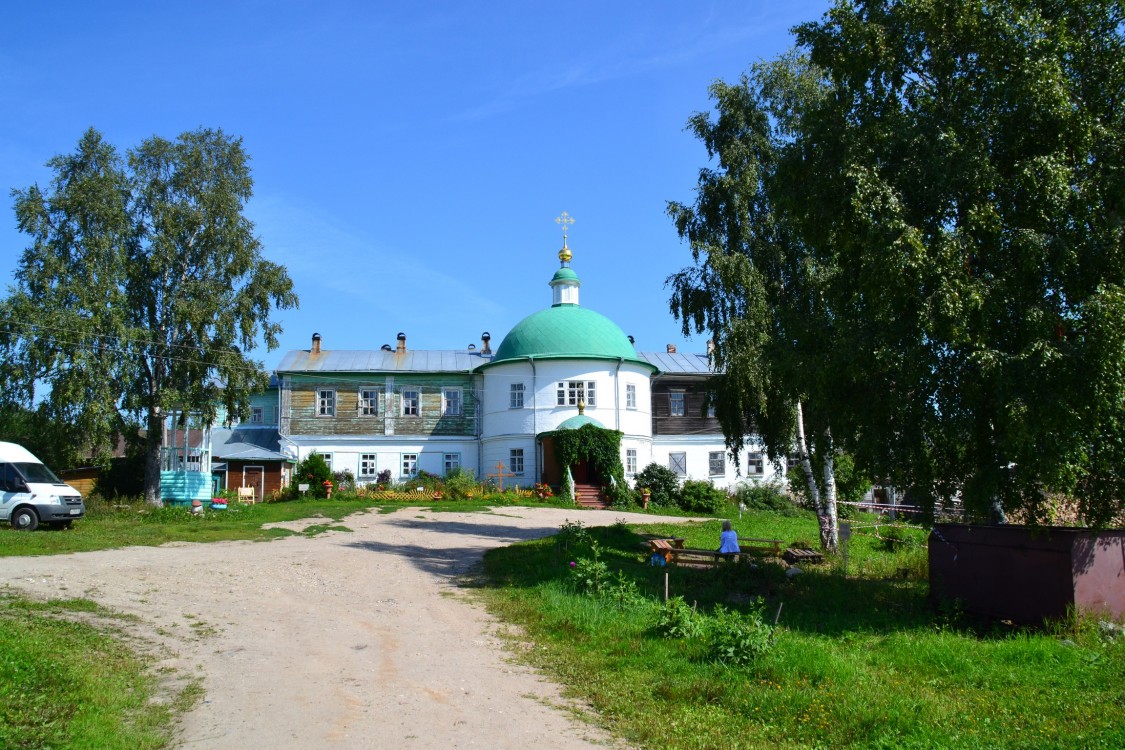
{"points": [[860, 660]]}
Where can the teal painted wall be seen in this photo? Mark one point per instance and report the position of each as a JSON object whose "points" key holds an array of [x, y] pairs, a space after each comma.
{"points": [[181, 487]]}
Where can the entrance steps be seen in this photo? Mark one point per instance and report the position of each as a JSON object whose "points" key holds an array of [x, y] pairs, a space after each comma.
{"points": [[589, 496]]}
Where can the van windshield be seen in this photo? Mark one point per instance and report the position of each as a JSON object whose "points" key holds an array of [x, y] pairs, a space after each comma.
{"points": [[37, 473]]}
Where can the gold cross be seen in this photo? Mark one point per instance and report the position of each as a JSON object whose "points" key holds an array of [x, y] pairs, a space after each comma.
{"points": [[564, 221]]}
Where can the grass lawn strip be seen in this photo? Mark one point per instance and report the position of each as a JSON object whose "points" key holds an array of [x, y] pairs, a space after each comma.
{"points": [[70, 679], [861, 661]]}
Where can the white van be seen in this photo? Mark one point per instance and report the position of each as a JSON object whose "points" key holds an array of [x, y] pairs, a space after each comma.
{"points": [[31, 494]]}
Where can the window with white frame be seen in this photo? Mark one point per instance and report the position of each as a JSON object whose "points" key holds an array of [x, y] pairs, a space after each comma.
{"points": [[572, 391], [630, 396], [630, 461], [451, 402], [326, 402], [710, 410], [368, 403], [792, 461], [411, 401], [367, 466], [257, 415], [677, 462], [515, 461], [327, 460], [676, 404], [515, 396], [755, 463], [716, 463], [451, 462], [409, 464]]}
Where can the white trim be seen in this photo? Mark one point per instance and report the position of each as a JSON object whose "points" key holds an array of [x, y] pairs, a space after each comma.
{"points": [[445, 401]]}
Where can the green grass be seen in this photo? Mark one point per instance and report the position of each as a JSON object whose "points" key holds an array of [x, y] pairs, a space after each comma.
{"points": [[66, 683], [861, 661]]}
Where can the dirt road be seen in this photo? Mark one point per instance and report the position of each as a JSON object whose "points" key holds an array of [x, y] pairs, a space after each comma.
{"points": [[343, 640]]}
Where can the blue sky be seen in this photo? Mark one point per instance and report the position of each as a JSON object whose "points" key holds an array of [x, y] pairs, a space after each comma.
{"points": [[409, 158]]}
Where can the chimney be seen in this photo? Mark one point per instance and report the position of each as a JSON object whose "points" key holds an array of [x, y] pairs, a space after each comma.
{"points": [[710, 347], [401, 343], [632, 340], [671, 348], [386, 348], [484, 339], [472, 347], [316, 344]]}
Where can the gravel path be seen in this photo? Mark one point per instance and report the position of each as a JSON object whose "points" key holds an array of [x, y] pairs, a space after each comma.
{"points": [[343, 640]]}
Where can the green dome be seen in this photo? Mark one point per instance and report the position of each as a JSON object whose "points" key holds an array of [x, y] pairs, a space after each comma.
{"points": [[579, 420], [566, 331], [564, 274]]}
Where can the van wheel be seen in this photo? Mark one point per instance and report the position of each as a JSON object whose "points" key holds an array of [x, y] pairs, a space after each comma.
{"points": [[25, 519]]}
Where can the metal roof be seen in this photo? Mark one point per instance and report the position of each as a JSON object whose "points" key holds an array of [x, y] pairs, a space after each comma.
{"points": [[378, 360], [247, 444], [455, 360], [675, 363]]}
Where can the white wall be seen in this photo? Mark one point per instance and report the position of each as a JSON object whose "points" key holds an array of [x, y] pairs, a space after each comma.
{"points": [[541, 412], [389, 452], [698, 449]]}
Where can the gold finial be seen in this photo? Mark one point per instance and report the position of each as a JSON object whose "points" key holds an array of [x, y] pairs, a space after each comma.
{"points": [[581, 406], [564, 221]]}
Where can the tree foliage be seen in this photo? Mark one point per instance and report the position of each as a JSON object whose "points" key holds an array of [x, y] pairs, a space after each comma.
{"points": [[141, 289], [916, 223]]}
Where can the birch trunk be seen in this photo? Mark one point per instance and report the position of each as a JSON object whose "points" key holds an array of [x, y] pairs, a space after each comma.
{"points": [[829, 520], [825, 506]]}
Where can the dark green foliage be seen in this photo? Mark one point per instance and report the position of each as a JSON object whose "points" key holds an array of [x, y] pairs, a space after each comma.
{"points": [[913, 225], [55, 443], [602, 448], [765, 496], [314, 472], [663, 483], [123, 477], [699, 496]]}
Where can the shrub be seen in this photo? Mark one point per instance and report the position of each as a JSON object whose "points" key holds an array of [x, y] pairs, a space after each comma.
{"points": [[677, 620], [383, 477], [662, 482], [591, 575], [343, 480], [698, 496], [314, 472], [461, 484], [738, 640], [895, 538], [765, 496], [572, 537]]}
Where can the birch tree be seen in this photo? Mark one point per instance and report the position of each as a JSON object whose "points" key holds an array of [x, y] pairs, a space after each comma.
{"points": [[141, 289], [756, 289]]}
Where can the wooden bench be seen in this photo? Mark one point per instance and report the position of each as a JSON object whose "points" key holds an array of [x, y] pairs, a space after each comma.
{"points": [[706, 558], [761, 545]]}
